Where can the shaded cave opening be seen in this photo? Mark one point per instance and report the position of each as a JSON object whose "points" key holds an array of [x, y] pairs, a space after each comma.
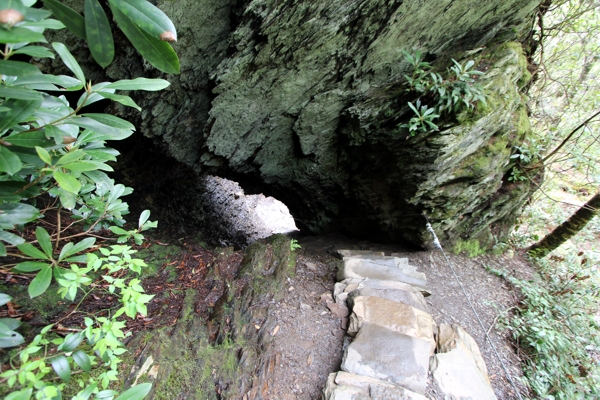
{"points": [[187, 203]]}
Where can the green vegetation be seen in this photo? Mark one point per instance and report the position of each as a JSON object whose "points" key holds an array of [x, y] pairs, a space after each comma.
{"points": [[146, 27], [195, 371], [557, 330], [438, 96], [294, 245], [55, 195], [556, 324], [188, 363], [526, 154], [471, 247]]}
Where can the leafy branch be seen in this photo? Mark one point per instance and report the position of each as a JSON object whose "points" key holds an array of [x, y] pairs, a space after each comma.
{"points": [[445, 95], [565, 140], [52, 150]]}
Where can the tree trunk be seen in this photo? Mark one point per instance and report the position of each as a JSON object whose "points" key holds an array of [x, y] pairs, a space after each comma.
{"points": [[568, 228]]}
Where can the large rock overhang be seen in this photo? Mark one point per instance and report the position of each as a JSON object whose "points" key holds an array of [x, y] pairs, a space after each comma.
{"points": [[301, 100]]}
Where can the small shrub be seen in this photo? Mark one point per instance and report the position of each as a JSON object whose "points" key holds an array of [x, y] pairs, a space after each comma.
{"points": [[529, 152], [443, 96], [557, 331], [53, 161], [471, 247], [294, 245], [422, 120]]}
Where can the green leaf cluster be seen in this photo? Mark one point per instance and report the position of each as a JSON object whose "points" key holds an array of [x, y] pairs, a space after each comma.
{"points": [[103, 334], [438, 96], [531, 150], [8, 336], [96, 346], [423, 119], [46, 264], [52, 149], [135, 234], [294, 245], [148, 29], [49, 147]]}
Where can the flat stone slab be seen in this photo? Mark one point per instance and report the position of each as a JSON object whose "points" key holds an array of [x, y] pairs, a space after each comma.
{"points": [[398, 317], [356, 253], [455, 337], [345, 386], [383, 268], [458, 368], [396, 291], [399, 262], [382, 353]]}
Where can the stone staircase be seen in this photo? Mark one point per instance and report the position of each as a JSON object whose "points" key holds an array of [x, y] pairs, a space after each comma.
{"points": [[392, 338]]}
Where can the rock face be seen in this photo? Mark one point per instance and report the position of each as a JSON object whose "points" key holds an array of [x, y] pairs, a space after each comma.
{"points": [[302, 100], [221, 354]]}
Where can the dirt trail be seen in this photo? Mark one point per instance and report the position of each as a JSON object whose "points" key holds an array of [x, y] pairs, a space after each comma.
{"points": [[310, 338]]}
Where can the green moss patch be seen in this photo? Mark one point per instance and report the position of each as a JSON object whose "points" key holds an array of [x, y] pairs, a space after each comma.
{"points": [[470, 247]]}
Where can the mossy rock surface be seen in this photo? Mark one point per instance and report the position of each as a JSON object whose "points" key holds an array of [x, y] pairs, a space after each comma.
{"points": [[267, 263], [216, 358], [302, 101]]}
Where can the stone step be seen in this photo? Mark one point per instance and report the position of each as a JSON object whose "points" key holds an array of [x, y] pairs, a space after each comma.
{"points": [[358, 253], [346, 386], [344, 288], [383, 268], [393, 348], [382, 353], [398, 317], [396, 291], [392, 290]]}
